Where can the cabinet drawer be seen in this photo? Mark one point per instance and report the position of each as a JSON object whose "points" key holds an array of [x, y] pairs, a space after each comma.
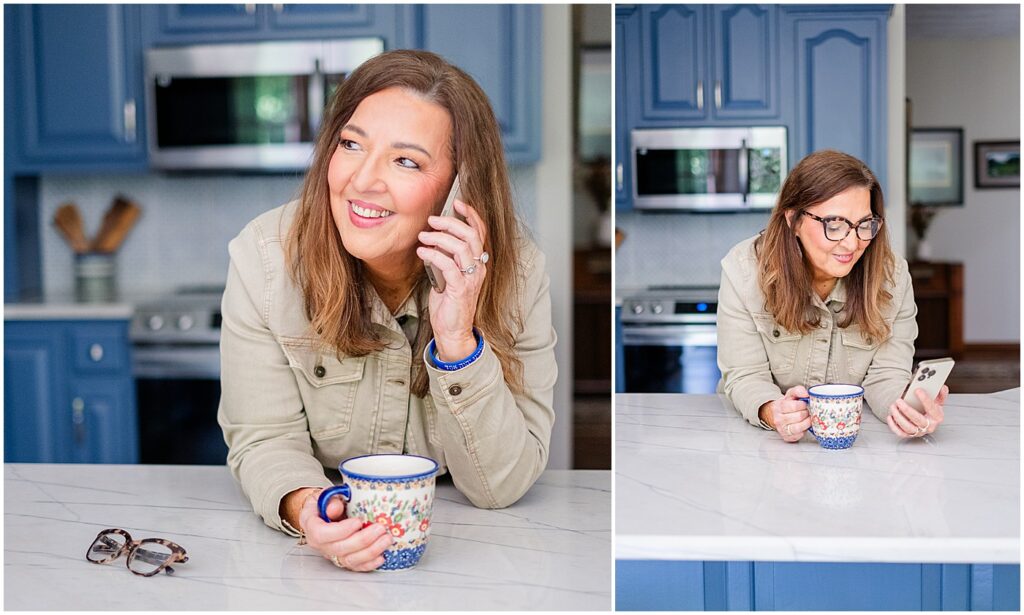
{"points": [[99, 349]]}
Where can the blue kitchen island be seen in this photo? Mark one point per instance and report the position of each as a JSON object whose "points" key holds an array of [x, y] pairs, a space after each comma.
{"points": [[715, 514]]}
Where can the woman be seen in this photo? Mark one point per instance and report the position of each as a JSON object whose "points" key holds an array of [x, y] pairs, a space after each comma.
{"points": [[819, 297], [333, 342]]}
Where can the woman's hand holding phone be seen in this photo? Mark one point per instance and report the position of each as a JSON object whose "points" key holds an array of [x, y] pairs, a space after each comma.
{"points": [[453, 247], [906, 422]]}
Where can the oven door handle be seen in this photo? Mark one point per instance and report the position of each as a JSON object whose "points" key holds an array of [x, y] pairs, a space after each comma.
{"points": [[696, 335], [158, 362]]}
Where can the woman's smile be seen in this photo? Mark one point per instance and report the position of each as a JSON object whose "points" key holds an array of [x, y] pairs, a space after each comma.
{"points": [[367, 215]]}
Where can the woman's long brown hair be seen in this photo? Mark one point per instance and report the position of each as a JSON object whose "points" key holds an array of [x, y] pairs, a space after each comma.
{"points": [[336, 294], [785, 279]]}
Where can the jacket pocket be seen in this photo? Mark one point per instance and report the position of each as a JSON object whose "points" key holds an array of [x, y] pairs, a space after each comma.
{"points": [[780, 344], [328, 387], [860, 350]]}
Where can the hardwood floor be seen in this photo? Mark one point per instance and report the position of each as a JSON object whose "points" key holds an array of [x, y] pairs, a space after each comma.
{"points": [[985, 370]]}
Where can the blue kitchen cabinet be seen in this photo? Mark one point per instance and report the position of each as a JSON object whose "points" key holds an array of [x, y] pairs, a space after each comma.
{"points": [[69, 396], [77, 88], [627, 34], [745, 62], [819, 586], [620, 355], [499, 46], [836, 80], [709, 64], [186, 24]]}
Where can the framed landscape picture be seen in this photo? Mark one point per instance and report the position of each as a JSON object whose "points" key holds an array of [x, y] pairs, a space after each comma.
{"points": [[997, 164], [936, 166]]}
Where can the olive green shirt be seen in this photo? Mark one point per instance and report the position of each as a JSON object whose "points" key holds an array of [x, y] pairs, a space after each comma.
{"points": [[759, 359], [289, 411]]}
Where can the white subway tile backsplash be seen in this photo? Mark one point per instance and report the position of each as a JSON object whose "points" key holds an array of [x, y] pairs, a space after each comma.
{"points": [[678, 248], [187, 221]]}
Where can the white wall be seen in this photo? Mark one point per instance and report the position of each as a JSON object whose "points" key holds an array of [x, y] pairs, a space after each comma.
{"points": [[975, 84]]}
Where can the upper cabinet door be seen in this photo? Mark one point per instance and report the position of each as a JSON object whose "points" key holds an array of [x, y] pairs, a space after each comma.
{"points": [[499, 45], [674, 81], [840, 79], [746, 68], [78, 93], [191, 18], [627, 37], [320, 15]]}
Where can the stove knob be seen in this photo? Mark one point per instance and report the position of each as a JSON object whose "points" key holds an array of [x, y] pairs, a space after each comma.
{"points": [[155, 322], [638, 309], [657, 309], [185, 322]]}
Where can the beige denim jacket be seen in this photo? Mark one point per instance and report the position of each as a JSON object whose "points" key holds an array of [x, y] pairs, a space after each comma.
{"points": [[760, 360], [288, 411]]}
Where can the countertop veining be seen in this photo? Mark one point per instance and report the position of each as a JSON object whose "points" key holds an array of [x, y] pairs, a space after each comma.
{"points": [[695, 481], [549, 551]]}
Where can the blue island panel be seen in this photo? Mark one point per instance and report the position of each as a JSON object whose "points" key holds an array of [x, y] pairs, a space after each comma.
{"points": [[812, 586]]}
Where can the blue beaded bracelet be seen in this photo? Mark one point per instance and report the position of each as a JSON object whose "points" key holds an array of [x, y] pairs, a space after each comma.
{"points": [[456, 365]]}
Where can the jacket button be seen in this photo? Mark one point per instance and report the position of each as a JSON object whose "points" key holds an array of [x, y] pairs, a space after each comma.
{"points": [[455, 390], [871, 341], [775, 333], [319, 371]]}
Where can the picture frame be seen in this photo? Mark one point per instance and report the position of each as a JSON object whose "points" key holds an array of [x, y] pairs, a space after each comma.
{"points": [[935, 174], [996, 164]]}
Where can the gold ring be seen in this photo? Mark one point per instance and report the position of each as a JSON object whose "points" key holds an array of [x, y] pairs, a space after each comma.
{"points": [[334, 560], [788, 426]]}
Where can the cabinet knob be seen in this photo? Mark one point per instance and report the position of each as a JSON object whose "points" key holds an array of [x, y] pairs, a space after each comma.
{"points": [[718, 94], [96, 353], [250, 9], [278, 8], [700, 95], [618, 176]]}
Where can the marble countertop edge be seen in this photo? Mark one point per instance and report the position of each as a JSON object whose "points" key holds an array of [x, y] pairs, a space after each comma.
{"points": [[818, 549]]}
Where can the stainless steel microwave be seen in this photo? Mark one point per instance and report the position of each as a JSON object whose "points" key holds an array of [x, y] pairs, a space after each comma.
{"points": [[249, 107], [708, 169]]}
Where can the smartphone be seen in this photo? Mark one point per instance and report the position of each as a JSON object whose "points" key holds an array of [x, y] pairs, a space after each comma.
{"points": [[434, 274], [930, 376]]}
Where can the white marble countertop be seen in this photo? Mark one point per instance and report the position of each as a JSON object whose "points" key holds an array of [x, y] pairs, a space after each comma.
{"points": [[549, 551], [695, 481], [65, 307]]}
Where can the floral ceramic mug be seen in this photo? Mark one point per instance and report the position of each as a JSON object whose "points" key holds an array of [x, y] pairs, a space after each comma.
{"points": [[396, 491], [835, 411]]}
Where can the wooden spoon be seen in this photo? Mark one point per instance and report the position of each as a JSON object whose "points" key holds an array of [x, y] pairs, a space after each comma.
{"points": [[69, 222]]}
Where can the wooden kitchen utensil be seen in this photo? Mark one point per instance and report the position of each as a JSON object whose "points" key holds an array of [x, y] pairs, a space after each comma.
{"points": [[118, 220], [69, 222]]}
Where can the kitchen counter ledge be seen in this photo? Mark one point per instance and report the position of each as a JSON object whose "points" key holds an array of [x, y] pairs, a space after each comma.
{"points": [[550, 551], [695, 481]]}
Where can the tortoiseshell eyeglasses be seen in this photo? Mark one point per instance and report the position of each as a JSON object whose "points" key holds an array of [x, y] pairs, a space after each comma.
{"points": [[146, 557]]}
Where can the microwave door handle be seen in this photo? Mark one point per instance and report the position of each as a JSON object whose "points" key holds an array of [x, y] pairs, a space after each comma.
{"points": [[744, 171], [315, 104]]}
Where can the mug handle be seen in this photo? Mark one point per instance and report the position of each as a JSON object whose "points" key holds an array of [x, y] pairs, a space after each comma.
{"points": [[807, 400], [321, 502]]}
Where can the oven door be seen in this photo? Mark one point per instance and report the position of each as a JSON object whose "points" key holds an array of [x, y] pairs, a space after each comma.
{"points": [[178, 391], [722, 169], [670, 358]]}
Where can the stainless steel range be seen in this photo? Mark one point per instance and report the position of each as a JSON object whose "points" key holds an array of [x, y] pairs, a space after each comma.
{"points": [[176, 364], [669, 340]]}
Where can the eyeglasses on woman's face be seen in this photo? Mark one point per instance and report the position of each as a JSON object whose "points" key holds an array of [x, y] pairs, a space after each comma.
{"points": [[146, 557], [837, 228]]}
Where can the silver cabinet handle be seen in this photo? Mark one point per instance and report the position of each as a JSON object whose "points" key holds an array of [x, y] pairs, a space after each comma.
{"points": [[250, 9], [278, 8], [618, 176], [718, 95], [129, 120], [315, 102], [78, 418], [96, 353], [700, 95]]}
